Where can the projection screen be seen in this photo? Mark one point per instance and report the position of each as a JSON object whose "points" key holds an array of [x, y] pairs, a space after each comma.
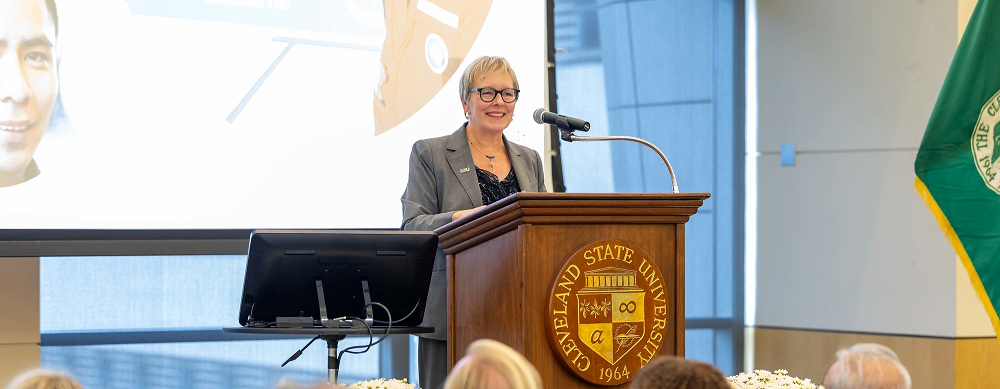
{"points": [[236, 114]]}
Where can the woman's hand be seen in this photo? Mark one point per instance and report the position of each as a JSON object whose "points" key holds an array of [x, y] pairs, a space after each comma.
{"points": [[460, 214]]}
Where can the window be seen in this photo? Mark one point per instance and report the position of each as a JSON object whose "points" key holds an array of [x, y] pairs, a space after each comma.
{"points": [[140, 319], [670, 73]]}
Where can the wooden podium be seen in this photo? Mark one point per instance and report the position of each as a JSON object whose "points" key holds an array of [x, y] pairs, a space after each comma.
{"points": [[505, 263]]}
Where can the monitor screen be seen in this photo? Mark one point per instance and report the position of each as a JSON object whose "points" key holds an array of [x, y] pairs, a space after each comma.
{"points": [[283, 267]]}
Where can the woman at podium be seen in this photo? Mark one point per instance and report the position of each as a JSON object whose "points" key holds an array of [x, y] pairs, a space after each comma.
{"points": [[453, 175]]}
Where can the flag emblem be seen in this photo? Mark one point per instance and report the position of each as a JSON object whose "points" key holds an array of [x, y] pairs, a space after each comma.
{"points": [[986, 143]]}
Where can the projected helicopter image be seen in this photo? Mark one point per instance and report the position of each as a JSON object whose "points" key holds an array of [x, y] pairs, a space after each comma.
{"points": [[424, 42]]}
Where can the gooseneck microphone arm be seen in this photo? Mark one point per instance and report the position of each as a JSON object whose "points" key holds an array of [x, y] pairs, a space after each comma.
{"points": [[542, 116], [570, 137]]}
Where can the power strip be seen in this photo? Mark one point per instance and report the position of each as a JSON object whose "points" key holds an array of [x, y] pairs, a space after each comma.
{"points": [[294, 322]]}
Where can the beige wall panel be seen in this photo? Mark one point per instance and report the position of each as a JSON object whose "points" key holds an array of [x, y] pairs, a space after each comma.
{"points": [[19, 300], [16, 358], [845, 244], [850, 74], [808, 354], [965, 8], [977, 363], [971, 319]]}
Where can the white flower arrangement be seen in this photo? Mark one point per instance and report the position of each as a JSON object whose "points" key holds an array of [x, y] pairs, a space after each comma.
{"points": [[382, 383], [763, 379]]}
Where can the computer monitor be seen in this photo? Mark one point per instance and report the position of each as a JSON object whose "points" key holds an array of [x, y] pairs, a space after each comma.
{"points": [[283, 267]]}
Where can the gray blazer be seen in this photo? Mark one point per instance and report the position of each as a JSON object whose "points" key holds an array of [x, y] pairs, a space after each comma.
{"points": [[443, 180]]}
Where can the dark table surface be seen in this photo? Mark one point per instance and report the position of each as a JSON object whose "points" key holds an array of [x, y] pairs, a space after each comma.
{"points": [[329, 331]]}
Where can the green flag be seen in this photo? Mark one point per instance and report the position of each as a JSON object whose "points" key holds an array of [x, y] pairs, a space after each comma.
{"points": [[957, 166]]}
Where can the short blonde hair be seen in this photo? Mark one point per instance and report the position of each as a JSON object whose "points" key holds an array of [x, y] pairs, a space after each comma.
{"points": [[44, 379], [480, 67], [488, 354]]}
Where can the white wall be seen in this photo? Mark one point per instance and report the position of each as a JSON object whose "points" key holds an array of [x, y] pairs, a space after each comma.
{"points": [[844, 242]]}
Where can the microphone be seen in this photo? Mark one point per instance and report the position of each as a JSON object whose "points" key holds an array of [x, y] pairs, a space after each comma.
{"points": [[564, 123], [567, 125]]}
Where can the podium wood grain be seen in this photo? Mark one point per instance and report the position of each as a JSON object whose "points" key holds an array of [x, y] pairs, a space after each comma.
{"points": [[503, 260]]}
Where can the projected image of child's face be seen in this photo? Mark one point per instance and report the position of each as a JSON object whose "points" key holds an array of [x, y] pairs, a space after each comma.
{"points": [[28, 83]]}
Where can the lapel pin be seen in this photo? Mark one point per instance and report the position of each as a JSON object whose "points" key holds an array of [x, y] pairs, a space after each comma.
{"points": [[463, 170]]}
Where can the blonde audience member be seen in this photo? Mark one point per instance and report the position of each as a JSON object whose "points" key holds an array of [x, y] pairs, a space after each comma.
{"points": [[489, 364], [867, 366], [44, 379], [670, 372]]}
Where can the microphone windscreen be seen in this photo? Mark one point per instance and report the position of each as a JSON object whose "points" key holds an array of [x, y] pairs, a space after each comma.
{"points": [[538, 115]]}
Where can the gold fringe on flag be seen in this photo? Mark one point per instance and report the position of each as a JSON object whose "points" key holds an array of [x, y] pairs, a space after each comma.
{"points": [[949, 232]]}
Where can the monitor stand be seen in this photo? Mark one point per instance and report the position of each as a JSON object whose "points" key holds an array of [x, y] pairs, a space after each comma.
{"points": [[333, 362], [336, 329]]}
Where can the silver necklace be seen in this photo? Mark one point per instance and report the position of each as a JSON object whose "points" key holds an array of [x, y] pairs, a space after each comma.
{"points": [[489, 157]]}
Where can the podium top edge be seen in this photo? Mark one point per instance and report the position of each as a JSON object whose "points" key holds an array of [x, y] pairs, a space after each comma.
{"points": [[585, 198], [603, 196], [582, 204]]}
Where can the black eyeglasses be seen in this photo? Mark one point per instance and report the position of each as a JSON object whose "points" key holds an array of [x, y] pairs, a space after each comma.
{"points": [[488, 94]]}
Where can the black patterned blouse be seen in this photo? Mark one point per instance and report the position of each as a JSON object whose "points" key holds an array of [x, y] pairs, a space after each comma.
{"points": [[493, 188]]}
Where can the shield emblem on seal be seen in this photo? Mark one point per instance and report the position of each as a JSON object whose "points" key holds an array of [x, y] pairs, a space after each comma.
{"points": [[610, 312]]}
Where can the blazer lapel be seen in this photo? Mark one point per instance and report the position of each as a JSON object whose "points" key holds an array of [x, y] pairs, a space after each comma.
{"points": [[460, 159], [520, 169]]}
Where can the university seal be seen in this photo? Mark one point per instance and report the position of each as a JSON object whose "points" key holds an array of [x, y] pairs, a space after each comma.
{"points": [[986, 143], [607, 312]]}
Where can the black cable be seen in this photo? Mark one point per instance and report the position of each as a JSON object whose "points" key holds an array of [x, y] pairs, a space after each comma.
{"points": [[400, 320], [348, 349], [367, 346], [299, 353], [259, 324], [370, 335]]}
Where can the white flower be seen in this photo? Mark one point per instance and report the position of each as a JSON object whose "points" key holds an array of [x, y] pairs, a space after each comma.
{"points": [[763, 379], [382, 383]]}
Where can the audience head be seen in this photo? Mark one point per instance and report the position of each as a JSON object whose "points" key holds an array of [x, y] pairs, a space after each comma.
{"points": [[867, 366], [670, 372], [491, 364], [44, 379]]}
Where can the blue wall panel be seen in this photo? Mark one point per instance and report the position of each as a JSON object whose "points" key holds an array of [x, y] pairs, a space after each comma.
{"points": [[672, 46], [699, 267], [616, 52], [685, 133], [626, 157]]}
